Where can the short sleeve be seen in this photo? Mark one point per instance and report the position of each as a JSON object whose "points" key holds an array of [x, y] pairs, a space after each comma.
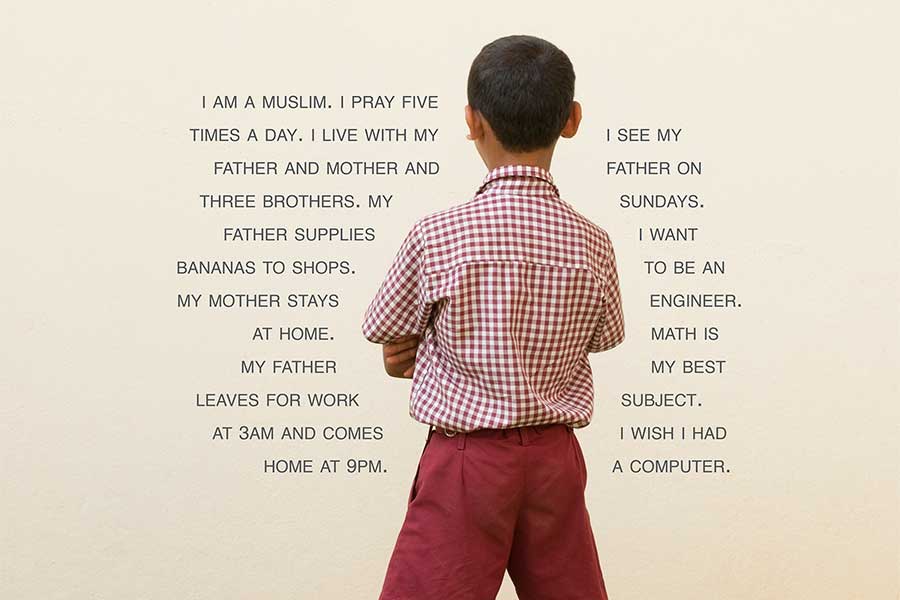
{"points": [[399, 307], [610, 330]]}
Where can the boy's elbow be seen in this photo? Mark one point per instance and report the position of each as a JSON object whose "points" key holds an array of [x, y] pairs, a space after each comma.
{"points": [[394, 371]]}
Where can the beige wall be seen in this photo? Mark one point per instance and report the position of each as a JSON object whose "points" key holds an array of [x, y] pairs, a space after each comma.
{"points": [[112, 487]]}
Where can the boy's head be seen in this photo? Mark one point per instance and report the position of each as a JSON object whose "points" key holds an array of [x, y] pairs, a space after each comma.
{"points": [[521, 98]]}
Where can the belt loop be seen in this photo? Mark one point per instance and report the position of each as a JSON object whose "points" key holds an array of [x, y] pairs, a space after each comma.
{"points": [[461, 441], [430, 432]]}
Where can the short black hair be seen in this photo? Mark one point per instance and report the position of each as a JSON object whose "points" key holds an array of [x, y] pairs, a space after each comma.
{"points": [[524, 86]]}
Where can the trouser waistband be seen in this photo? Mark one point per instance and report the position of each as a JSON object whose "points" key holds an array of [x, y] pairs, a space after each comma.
{"points": [[524, 434]]}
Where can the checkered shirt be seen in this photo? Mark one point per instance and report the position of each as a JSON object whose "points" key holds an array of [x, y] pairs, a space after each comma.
{"points": [[509, 292]]}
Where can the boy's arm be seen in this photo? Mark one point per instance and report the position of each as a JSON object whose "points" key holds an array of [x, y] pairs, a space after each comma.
{"points": [[610, 331], [400, 357], [398, 309]]}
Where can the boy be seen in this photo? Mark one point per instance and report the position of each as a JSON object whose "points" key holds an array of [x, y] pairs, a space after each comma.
{"points": [[491, 307]]}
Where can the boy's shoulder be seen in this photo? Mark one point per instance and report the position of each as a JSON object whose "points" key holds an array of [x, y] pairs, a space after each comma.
{"points": [[476, 209], [450, 213]]}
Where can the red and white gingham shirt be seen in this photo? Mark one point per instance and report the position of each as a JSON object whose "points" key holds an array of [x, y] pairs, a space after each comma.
{"points": [[510, 291]]}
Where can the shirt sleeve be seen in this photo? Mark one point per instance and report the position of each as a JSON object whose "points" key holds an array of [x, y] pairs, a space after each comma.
{"points": [[399, 307], [610, 330]]}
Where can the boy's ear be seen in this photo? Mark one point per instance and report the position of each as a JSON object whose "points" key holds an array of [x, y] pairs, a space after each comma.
{"points": [[473, 121], [571, 126]]}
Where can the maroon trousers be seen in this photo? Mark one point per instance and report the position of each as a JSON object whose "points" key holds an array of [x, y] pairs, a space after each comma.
{"points": [[496, 500]]}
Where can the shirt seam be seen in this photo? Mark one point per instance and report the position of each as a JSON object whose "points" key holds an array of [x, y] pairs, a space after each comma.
{"points": [[435, 273]]}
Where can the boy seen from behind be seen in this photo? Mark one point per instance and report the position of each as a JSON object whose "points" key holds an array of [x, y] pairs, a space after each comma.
{"points": [[492, 307]]}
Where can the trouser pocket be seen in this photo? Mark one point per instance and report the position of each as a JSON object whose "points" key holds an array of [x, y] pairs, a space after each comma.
{"points": [[579, 457], [414, 488]]}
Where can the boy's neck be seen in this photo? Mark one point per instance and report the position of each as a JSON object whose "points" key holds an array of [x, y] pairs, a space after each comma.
{"points": [[539, 158]]}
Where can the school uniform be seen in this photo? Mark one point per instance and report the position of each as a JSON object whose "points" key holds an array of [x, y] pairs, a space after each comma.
{"points": [[509, 291]]}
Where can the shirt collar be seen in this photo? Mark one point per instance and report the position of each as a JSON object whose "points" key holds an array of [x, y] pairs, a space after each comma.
{"points": [[541, 177]]}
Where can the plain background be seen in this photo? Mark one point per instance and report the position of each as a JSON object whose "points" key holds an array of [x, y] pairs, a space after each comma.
{"points": [[111, 485]]}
